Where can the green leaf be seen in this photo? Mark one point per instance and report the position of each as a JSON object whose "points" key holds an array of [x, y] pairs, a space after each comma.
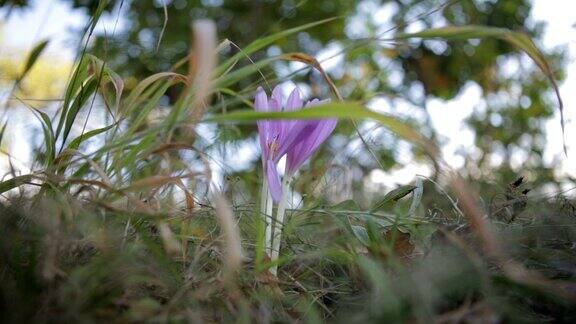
{"points": [[86, 91], [80, 77], [456, 32], [139, 93], [349, 204], [151, 104], [2, 131], [417, 196], [32, 58], [377, 220], [105, 74], [14, 182], [75, 143], [241, 73], [361, 234], [127, 158], [393, 196], [82, 73], [48, 131]]}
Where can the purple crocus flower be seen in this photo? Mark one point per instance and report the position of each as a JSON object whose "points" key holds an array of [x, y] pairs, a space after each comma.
{"points": [[277, 137]]}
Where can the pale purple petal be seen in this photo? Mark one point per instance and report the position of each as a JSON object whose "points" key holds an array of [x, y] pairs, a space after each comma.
{"points": [[261, 100], [304, 149], [298, 132], [263, 127], [277, 99], [313, 102], [274, 105], [278, 94], [273, 181], [294, 101], [316, 102], [261, 104]]}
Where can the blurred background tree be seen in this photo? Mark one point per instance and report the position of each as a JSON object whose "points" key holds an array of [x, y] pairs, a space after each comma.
{"points": [[507, 124]]}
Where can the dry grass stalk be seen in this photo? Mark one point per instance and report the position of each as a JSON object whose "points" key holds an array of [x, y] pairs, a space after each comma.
{"points": [[232, 242], [202, 64]]}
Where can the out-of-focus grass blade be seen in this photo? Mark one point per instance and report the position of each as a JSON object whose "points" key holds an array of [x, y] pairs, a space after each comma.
{"points": [[86, 91], [80, 76], [457, 32], [107, 75], [337, 110], [265, 41], [151, 104], [202, 65], [521, 40], [142, 101], [313, 62], [48, 133], [136, 96], [2, 131], [14, 182], [75, 143], [82, 72], [243, 72], [127, 159], [32, 58]]}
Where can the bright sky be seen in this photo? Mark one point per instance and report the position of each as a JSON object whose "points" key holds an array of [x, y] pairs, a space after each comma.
{"points": [[52, 19]]}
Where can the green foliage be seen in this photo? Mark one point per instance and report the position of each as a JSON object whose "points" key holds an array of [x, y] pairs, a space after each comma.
{"points": [[32, 57], [93, 264]]}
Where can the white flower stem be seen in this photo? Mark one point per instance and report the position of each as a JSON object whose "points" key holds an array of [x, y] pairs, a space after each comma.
{"points": [[279, 224], [266, 212]]}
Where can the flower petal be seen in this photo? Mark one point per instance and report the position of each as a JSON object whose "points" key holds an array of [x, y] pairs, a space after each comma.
{"points": [[264, 127], [273, 181], [316, 102], [261, 100], [304, 149], [294, 101], [298, 131], [277, 99]]}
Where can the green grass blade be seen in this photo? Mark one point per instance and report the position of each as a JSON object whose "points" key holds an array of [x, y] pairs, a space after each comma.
{"points": [[138, 95], [32, 58], [107, 75], [265, 41], [2, 131], [79, 77], [49, 139], [350, 110], [14, 182], [85, 93], [239, 74], [75, 143]]}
